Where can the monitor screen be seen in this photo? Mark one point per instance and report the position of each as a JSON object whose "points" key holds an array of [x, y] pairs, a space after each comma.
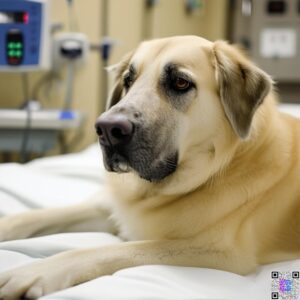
{"points": [[276, 7], [14, 17]]}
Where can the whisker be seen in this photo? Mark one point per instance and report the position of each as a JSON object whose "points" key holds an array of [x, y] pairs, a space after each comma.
{"points": [[170, 164]]}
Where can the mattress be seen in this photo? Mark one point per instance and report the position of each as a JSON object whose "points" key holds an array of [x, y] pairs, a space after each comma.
{"points": [[70, 179]]}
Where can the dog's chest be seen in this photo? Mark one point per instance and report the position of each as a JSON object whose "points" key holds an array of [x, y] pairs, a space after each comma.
{"points": [[168, 222], [134, 226]]}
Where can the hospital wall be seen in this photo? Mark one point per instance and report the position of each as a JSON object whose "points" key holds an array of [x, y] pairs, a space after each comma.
{"points": [[129, 22]]}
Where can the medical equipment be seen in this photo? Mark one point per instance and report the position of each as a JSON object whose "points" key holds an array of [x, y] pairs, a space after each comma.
{"points": [[45, 126], [26, 45], [70, 47], [24, 35], [270, 31]]}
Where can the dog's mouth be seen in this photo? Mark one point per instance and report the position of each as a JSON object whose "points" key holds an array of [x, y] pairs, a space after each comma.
{"points": [[141, 162], [117, 163]]}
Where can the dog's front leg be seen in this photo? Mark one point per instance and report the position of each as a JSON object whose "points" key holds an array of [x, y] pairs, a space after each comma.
{"points": [[73, 267], [38, 222]]}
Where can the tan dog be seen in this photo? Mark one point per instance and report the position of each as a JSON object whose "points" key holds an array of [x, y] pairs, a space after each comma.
{"points": [[209, 171]]}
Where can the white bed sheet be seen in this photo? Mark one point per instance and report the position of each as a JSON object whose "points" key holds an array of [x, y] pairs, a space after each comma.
{"points": [[69, 179]]}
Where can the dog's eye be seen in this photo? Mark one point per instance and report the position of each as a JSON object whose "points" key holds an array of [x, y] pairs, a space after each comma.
{"points": [[128, 81], [181, 84]]}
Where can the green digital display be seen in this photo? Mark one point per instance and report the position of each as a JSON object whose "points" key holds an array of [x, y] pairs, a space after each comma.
{"points": [[14, 47]]}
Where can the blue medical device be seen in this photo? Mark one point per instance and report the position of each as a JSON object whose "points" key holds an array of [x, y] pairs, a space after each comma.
{"points": [[24, 35]]}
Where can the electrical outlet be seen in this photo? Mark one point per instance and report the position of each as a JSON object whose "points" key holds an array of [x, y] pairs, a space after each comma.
{"points": [[278, 42]]}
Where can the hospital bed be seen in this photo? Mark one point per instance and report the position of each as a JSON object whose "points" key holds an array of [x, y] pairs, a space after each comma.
{"points": [[70, 179]]}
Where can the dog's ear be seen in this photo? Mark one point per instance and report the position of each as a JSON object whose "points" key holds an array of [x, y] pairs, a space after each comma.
{"points": [[242, 86], [117, 71]]}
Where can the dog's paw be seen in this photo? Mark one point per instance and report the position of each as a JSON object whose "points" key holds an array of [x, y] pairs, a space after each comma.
{"points": [[33, 281], [17, 285], [9, 229], [15, 227], [14, 287]]}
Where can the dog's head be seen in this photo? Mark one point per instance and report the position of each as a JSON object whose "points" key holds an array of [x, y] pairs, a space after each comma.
{"points": [[178, 101]]}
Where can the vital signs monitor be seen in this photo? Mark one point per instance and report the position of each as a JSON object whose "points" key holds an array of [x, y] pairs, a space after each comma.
{"points": [[24, 35]]}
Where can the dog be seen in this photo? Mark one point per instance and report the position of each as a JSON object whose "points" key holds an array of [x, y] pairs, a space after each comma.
{"points": [[203, 171]]}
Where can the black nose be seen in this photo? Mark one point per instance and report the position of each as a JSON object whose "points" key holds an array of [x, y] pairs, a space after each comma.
{"points": [[114, 130]]}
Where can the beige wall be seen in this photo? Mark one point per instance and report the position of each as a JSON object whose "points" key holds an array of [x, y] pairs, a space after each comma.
{"points": [[169, 17], [129, 22], [126, 18]]}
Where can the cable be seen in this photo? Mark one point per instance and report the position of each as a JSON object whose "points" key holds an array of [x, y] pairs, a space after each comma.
{"points": [[70, 4], [105, 31], [72, 16], [69, 86], [27, 128], [45, 84], [73, 26], [25, 86]]}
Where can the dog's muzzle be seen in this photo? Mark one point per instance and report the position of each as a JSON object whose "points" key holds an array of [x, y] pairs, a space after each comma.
{"points": [[114, 130], [128, 146]]}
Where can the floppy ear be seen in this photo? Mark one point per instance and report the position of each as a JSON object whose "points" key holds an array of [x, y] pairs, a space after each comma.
{"points": [[242, 86], [117, 70]]}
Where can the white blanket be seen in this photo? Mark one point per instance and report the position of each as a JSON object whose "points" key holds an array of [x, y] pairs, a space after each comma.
{"points": [[73, 178]]}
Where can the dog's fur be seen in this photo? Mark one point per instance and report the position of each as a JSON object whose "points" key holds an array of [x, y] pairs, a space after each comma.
{"points": [[230, 197]]}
